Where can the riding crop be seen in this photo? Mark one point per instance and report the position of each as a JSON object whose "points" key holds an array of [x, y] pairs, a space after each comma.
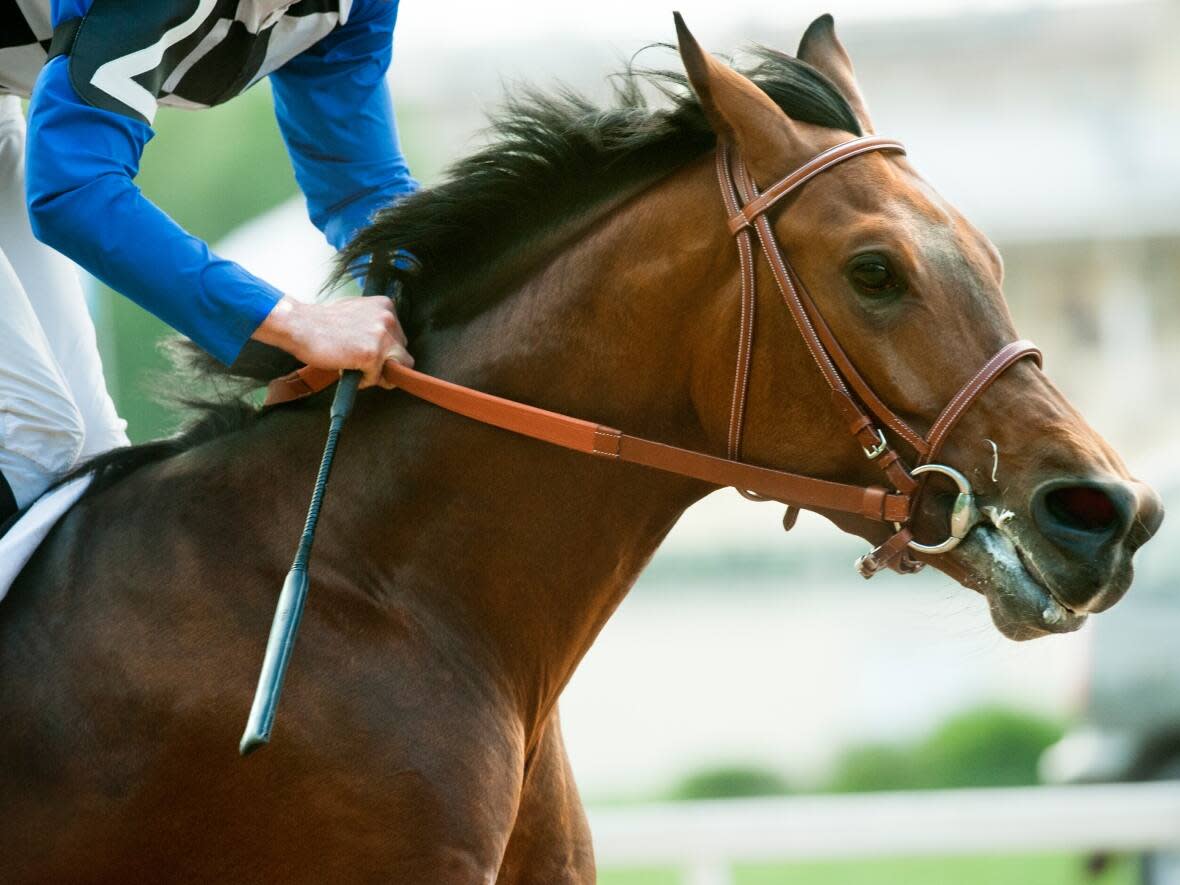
{"points": [[289, 609]]}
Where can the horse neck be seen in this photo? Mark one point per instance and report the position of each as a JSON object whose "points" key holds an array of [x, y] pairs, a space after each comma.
{"points": [[527, 546]]}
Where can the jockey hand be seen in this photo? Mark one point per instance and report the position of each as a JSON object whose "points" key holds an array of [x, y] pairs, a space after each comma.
{"points": [[353, 333]]}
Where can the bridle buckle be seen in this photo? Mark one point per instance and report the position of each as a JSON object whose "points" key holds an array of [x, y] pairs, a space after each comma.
{"points": [[876, 451]]}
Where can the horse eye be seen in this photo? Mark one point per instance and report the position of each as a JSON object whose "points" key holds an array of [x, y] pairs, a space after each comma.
{"points": [[873, 276]]}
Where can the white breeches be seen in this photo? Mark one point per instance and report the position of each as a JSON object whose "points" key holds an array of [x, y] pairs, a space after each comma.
{"points": [[54, 405]]}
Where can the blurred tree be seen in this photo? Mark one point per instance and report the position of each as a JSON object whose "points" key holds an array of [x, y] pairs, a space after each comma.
{"points": [[874, 767], [730, 781], [988, 747]]}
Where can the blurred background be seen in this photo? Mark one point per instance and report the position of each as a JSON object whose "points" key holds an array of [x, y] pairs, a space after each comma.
{"points": [[751, 663]]}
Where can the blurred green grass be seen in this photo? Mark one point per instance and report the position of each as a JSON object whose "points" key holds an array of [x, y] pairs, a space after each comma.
{"points": [[1048, 869]]}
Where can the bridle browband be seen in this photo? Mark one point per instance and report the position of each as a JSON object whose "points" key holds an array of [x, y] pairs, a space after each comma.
{"points": [[864, 412]]}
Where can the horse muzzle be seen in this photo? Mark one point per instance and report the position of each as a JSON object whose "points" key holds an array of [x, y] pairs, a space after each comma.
{"points": [[1065, 556]]}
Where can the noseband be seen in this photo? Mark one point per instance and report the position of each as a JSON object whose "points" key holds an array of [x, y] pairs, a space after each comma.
{"points": [[866, 416], [852, 396]]}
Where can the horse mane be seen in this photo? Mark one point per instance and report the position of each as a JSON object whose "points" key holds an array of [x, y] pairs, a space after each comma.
{"points": [[550, 158]]}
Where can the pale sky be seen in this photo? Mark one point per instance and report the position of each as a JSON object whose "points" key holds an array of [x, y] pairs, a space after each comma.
{"points": [[455, 24]]}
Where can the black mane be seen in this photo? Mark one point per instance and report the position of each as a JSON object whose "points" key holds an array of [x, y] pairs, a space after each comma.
{"points": [[551, 158]]}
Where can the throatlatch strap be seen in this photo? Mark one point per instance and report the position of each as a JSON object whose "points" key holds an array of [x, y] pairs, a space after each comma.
{"points": [[747, 307]]}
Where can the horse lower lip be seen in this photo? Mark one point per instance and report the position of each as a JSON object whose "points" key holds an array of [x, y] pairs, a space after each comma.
{"points": [[1039, 579], [1023, 597], [1054, 612]]}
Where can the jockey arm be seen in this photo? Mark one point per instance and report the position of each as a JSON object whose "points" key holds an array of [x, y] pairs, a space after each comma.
{"points": [[82, 201], [336, 117]]}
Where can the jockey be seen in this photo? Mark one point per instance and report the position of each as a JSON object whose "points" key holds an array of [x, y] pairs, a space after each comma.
{"points": [[96, 71]]}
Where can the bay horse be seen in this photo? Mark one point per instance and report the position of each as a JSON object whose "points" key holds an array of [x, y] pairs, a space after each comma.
{"points": [[582, 263]]}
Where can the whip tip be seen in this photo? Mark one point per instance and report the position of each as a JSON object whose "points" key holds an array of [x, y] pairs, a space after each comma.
{"points": [[252, 741]]}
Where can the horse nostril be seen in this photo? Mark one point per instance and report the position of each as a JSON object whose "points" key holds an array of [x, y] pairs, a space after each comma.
{"points": [[1085, 508], [1082, 517]]}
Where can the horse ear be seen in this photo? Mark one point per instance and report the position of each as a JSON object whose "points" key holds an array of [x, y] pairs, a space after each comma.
{"points": [[822, 49], [738, 110]]}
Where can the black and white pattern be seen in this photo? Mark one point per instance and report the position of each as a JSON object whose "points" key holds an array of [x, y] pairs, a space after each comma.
{"points": [[25, 31], [130, 56]]}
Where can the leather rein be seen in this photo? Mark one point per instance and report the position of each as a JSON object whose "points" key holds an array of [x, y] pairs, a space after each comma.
{"points": [[864, 412]]}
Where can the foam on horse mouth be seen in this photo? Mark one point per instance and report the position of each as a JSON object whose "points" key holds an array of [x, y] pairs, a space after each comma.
{"points": [[1021, 601], [1001, 519]]}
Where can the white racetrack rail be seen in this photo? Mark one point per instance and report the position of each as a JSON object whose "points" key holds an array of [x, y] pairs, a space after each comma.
{"points": [[704, 837]]}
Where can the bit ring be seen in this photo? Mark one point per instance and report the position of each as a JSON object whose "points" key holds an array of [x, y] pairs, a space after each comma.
{"points": [[964, 514]]}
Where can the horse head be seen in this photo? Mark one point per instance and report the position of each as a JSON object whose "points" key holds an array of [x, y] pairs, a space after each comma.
{"points": [[913, 293]]}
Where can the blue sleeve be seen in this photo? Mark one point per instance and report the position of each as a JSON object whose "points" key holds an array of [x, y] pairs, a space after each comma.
{"points": [[82, 202], [336, 117]]}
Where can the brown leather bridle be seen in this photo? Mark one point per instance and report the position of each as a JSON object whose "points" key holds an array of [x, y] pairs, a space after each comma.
{"points": [[863, 411], [747, 208]]}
